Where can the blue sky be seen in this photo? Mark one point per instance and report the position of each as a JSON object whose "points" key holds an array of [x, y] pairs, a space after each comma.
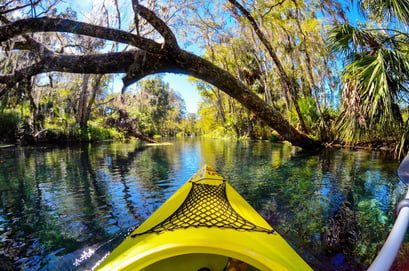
{"points": [[186, 89]]}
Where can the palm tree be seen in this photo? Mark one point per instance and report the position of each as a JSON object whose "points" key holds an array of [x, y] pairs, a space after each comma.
{"points": [[376, 74]]}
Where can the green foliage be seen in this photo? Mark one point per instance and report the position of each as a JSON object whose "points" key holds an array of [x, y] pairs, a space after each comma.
{"points": [[308, 109], [386, 9], [220, 132], [402, 148], [94, 132], [97, 133], [58, 133], [154, 109], [295, 34], [375, 80], [11, 126], [188, 125], [158, 102], [347, 39], [275, 137], [157, 109]]}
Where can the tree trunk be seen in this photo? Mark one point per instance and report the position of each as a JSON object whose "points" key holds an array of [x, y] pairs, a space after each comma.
{"points": [[96, 86], [87, 99], [82, 101], [286, 82], [142, 137], [250, 126]]}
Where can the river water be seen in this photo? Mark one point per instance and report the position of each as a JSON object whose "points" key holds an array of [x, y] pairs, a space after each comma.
{"points": [[61, 208]]}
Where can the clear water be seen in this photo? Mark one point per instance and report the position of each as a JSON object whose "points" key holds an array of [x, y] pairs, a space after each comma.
{"points": [[62, 208]]}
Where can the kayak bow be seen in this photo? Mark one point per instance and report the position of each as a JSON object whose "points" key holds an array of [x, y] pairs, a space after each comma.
{"points": [[203, 224]]}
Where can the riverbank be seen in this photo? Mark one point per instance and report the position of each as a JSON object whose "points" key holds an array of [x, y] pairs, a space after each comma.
{"points": [[389, 146]]}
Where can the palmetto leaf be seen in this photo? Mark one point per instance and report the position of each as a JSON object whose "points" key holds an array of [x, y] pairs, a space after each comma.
{"points": [[386, 9], [347, 39], [376, 81], [377, 73]]}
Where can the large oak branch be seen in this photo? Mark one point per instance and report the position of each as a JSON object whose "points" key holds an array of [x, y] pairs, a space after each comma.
{"points": [[46, 24]]}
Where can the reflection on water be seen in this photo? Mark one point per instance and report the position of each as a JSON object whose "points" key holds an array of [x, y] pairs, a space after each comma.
{"points": [[59, 205]]}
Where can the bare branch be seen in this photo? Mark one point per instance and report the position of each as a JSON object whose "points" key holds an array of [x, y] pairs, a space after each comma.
{"points": [[4, 11], [23, 75], [46, 24], [30, 44], [118, 14], [160, 26], [272, 7], [104, 103], [136, 64], [135, 7]]}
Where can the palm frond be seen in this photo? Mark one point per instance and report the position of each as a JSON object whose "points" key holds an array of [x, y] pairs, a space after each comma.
{"points": [[372, 86], [347, 39], [397, 64], [386, 9], [403, 146]]}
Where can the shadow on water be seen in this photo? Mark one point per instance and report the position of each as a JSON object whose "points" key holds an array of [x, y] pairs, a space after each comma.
{"points": [[64, 208]]}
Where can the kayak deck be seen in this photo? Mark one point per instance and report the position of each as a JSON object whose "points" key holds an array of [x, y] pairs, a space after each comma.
{"points": [[203, 224], [206, 206]]}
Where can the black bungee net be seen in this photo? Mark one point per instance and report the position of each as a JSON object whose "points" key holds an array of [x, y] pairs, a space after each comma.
{"points": [[205, 206]]}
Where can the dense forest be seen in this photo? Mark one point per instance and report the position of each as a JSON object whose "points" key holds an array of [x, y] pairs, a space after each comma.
{"points": [[314, 73]]}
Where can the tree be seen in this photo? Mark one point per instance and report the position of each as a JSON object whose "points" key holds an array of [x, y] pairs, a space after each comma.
{"points": [[287, 83], [46, 104], [188, 125], [151, 57], [159, 102], [87, 98], [376, 75], [274, 48], [176, 116], [152, 107]]}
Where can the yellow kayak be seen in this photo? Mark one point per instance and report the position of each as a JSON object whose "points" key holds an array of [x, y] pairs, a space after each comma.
{"points": [[205, 225]]}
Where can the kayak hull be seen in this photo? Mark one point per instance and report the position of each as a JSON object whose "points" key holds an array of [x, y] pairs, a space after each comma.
{"points": [[204, 245]]}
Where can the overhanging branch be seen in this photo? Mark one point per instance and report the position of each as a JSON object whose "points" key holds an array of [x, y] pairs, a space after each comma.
{"points": [[46, 24], [159, 25], [135, 63]]}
